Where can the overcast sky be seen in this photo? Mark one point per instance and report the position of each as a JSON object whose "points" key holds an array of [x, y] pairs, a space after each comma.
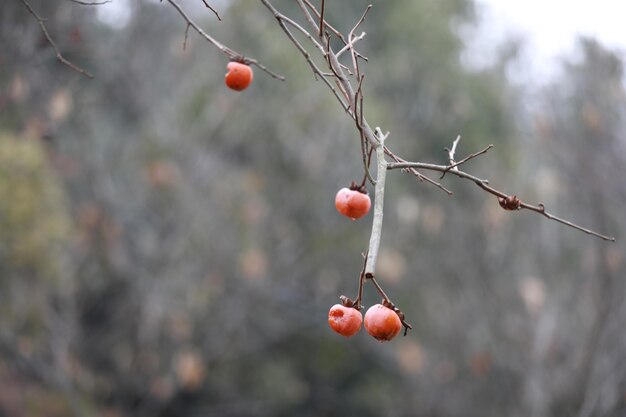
{"points": [[550, 27]]}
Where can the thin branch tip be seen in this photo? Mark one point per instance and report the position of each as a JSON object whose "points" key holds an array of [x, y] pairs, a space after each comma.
{"points": [[59, 56], [223, 48], [208, 6]]}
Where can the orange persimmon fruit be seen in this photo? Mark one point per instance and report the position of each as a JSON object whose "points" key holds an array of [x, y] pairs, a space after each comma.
{"points": [[382, 322], [345, 320], [239, 76], [352, 203]]}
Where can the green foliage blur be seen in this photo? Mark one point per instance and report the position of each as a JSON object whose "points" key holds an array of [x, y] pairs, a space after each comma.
{"points": [[35, 225], [169, 247]]}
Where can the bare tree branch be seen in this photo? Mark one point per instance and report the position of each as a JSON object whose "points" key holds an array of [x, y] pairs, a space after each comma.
{"points": [[455, 165], [358, 23], [452, 151], [301, 29], [278, 16], [416, 173], [326, 24], [95, 3], [322, 18], [351, 44], [539, 208], [186, 36], [352, 100], [208, 6], [59, 56], [342, 81], [226, 50]]}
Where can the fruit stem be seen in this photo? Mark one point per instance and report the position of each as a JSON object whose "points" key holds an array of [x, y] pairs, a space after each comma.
{"points": [[359, 297], [389, 304], [367, 175], [386, 299]]}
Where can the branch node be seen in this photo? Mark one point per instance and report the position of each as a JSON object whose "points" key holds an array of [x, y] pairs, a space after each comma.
{"points": [[510, 202]]}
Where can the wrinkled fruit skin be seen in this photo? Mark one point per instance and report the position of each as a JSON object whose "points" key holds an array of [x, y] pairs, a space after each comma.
{"points": [[239, 76], [345, 320], [351, 203], [382, 323]]}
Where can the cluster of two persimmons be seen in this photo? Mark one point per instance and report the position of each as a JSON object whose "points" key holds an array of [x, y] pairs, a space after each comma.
{"points": [[381, 322]]}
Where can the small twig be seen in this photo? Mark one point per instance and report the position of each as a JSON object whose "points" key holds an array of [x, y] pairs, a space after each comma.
{"points": [[251, 61], [186, 35], [454, 165], [347, 90], [308, 16], [328, 55], [344, 87], [355, 59], [358, 111], [226, 50], [439, 168], [452, 151], [368, 175], [350, 44], [352, 39], [232, 54], [208, 6], [472, 156], [326, 24], [303, 30], [416, 173], [334, 65], [362, 19], [389, 304], [342, 82], [380, 290], [359, 297], [541, 209], [322, 19], [95, 3], [484, 185], [365, 154], [59, 56], [344, 67], [277, 15]]}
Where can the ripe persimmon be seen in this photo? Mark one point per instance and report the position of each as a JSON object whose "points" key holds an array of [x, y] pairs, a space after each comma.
{"points": [[382, 322], [345, 320], [353, 202], [239, 75]]}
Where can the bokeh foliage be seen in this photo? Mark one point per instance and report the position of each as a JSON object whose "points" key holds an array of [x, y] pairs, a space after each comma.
{"points": [[34, 219]]}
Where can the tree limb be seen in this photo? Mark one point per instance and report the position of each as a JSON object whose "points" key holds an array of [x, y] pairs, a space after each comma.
{"points": [[223, 48], [539, 208]]}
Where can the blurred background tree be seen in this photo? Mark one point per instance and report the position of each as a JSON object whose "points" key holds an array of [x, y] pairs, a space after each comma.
{"points": [[170, 248]]}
